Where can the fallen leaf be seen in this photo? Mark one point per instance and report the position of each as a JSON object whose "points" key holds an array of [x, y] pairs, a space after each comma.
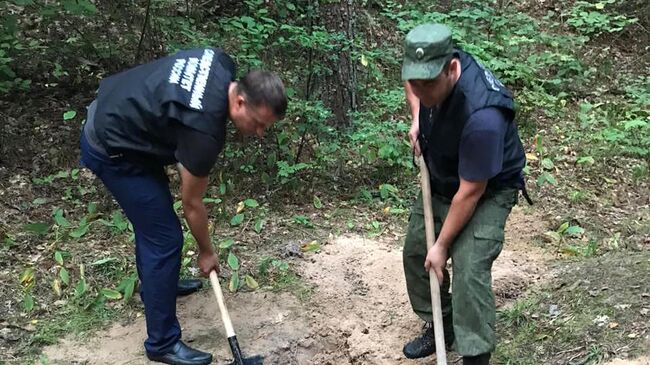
{"points": [[613, 325], [310, 246]]}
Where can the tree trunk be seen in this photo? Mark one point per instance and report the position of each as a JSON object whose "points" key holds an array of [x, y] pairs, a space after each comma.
{"points": [[339, 88]]}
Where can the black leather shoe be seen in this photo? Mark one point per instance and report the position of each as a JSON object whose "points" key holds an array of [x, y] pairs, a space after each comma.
{"points": [[188, 286], [477, 360], [181, 354], [425, 344]]}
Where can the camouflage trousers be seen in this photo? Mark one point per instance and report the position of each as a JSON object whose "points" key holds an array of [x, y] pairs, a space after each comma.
{"points": [[469, 310]]}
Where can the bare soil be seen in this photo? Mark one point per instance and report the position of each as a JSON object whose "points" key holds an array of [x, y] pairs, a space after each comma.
{"points": [[359, 311]]}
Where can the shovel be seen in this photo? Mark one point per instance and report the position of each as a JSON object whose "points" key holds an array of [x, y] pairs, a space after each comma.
{"points": [[441, 355], [230, 332]]}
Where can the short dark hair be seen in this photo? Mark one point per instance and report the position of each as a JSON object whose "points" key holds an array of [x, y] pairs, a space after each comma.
{"points": [[263, 88]]}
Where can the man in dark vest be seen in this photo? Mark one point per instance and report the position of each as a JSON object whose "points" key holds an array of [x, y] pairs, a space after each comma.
{"points": [[172, 110], [463, 124]]}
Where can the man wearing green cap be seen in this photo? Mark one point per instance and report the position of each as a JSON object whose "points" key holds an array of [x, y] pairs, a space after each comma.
{"points": [[463, 125]]}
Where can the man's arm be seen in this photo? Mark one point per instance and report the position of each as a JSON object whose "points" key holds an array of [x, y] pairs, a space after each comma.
{"points": [[192, 190], [414, 105], [460, 211]]}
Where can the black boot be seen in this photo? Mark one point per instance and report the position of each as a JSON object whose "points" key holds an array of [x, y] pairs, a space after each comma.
{"points": [[477, 360], [425, 344]]}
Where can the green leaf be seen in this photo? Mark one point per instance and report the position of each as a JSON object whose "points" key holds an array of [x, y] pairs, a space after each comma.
{"points": [[81, 230], [65, 276], [237, 219], [58, 257], [547, 163], [227, 243], [305, 221], [28, 302], [251, 203], [111, 294], [251, 282], [80, 289], [575, 231], [92, 208], [129, 288], [233, 261], [546, 177], [259, 225], [291, 7], [39, 228], [39, 201], [234, 282], [103, 261], [317, 203], [563, 227], [280, 265], [178, 204], [387, 190], [119, 221], [61, 174], [69, 115], [634, 123], [586, 160], [212, 200], [59, 219]]}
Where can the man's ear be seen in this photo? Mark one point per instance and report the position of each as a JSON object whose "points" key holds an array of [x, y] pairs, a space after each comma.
{"points": [[454, 64], [241, 101]]}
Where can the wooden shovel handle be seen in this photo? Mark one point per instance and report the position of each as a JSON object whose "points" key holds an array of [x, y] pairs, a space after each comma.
{"points": [[214, 279], [441, 355]]}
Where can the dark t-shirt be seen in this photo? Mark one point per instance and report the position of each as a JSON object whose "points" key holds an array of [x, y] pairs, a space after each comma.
{"points": [[196, 151], [483, 153]]}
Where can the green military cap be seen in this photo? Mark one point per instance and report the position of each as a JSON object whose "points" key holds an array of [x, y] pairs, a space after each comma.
{"points": [[428, 47]]}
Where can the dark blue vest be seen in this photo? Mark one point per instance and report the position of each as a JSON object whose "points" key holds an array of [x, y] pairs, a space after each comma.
{"points": [[441, 129], [136, 108]]}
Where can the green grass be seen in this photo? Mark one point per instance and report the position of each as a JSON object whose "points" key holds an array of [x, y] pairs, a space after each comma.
{"points": [[72, 321], [598, 305], [277, 275]]}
